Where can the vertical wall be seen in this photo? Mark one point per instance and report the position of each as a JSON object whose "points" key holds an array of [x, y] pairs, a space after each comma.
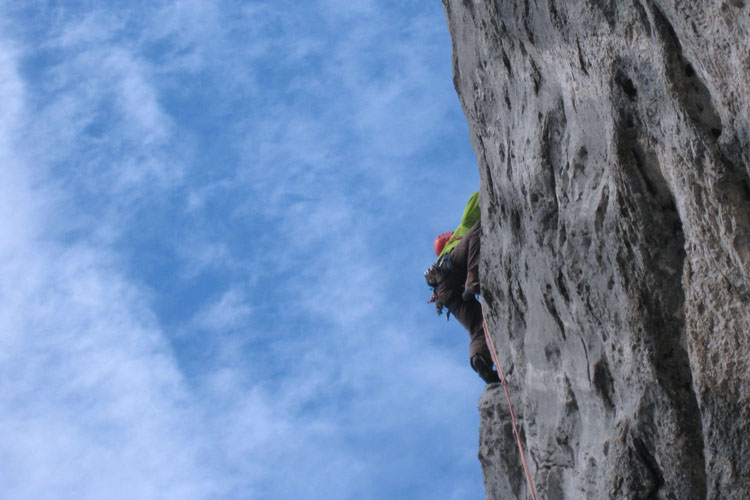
{"points": [[614, 152]]}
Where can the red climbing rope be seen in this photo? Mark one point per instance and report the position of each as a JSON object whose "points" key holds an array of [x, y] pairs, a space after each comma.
{"points": [[493, 352]]}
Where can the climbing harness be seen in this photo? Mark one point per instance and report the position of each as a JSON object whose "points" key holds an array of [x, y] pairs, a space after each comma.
{"points": [[491, 345]]}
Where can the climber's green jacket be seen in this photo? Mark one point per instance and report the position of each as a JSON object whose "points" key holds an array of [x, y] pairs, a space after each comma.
{"points": [[470, 217]]}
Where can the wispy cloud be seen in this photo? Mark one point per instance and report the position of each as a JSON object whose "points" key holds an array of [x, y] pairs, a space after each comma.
{"points": [[92, 396], [230, 311], [211, 271]]}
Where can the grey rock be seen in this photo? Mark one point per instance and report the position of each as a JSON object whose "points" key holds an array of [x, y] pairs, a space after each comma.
{"points": [[613, 143], [498, 450]]}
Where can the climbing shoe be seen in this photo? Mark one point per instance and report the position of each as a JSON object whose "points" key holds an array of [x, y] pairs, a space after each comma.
{"points": [[484, 369], [491, 377]]}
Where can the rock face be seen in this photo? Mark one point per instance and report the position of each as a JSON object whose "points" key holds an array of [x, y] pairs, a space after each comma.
{"points": [[613, 142]]}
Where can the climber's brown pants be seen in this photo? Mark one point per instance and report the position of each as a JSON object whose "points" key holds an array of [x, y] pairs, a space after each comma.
{"points": [[465, 256]]}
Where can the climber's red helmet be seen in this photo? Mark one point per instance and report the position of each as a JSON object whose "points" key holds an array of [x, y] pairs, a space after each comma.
{"points": [[440, 242]]}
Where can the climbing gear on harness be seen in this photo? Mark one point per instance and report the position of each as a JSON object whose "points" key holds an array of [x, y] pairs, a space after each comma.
{"points": [[440, 242], [491, 345], [432, 276]]}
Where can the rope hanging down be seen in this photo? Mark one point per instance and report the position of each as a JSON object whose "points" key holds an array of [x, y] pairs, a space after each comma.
{"points": [[491, 345]]}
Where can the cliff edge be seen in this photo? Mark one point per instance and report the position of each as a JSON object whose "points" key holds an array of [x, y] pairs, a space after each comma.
{"points": [[613, 143]]}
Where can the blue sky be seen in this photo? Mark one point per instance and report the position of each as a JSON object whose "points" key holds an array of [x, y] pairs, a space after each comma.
{"points": [[216, 220]]}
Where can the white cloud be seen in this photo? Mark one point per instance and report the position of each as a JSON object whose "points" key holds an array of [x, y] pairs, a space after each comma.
{"points": [[92, 397], [199, 254], [136, 97], [95, 118], [94, 28], [327, 387], [229, 312]]}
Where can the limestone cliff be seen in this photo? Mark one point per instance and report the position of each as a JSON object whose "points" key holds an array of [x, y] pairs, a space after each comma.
{"points": [[613, 142]]}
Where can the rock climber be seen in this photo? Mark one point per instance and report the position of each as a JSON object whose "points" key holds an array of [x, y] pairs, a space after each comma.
{"points": [[454, 279]]}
